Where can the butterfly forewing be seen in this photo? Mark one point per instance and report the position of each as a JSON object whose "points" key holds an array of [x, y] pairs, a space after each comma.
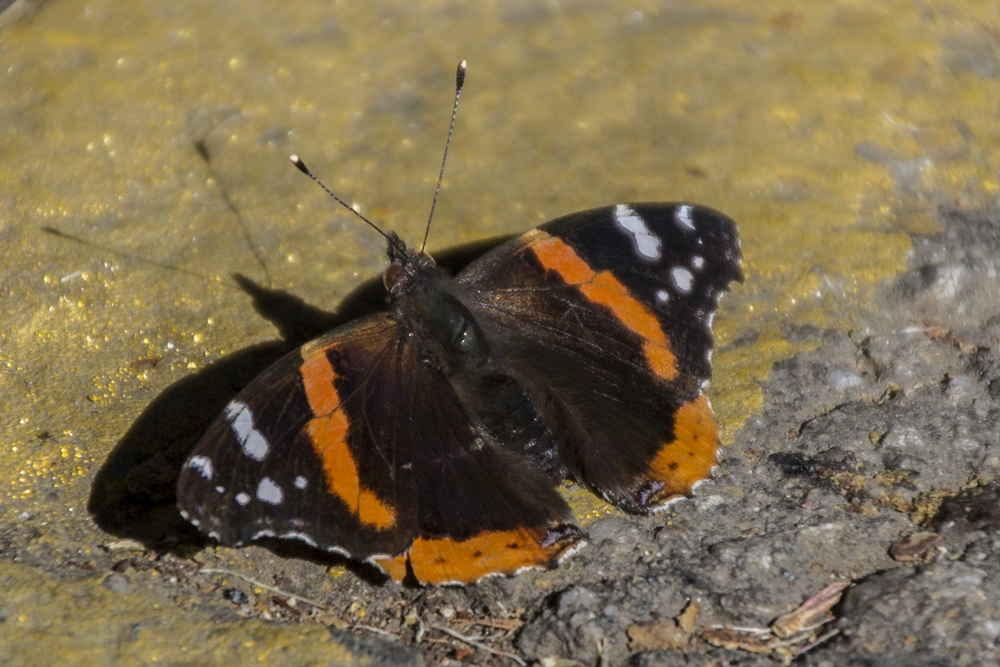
{"points": [[291, 456], [606, 318]]}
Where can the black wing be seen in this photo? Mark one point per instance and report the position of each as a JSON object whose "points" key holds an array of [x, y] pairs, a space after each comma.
{"points": [[353, 445]]}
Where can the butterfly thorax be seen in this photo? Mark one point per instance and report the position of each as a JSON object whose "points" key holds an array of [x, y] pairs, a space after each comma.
{"points": [[428, 304]]}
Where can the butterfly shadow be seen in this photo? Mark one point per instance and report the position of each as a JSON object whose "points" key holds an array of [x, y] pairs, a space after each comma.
{"points": [[134, 493]]}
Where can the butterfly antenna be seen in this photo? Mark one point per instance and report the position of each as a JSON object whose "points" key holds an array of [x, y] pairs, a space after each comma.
{"points": [[301, 166], [459, 82]]}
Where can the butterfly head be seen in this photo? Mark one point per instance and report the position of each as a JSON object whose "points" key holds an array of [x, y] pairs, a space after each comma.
{"points": [[407, 266]]}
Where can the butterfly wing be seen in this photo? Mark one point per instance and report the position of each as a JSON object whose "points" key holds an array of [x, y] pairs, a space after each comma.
{"points": [[605, 318], [353, 445], [280, 461]]}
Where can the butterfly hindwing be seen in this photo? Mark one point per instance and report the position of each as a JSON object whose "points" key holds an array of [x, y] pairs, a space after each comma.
{"points": [[606, 317]]}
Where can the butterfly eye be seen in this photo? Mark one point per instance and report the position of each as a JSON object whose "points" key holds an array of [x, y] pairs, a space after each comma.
{"points": [[393, 275]]}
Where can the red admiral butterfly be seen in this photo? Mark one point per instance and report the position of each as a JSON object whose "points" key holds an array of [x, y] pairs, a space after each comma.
{"points": [[429, 439]]}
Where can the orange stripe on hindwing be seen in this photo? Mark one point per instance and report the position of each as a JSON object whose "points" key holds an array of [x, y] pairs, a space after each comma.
{"points": [[692, 453], [328, 431], [445, 560], [603, 288]]}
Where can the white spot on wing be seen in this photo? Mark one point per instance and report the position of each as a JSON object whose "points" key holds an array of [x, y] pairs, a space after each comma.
{"points": [[697, 261], [682, 279], [220, 489], [253, 441], [202, 464], [662, 296], [683, 217], [242, 498], [647, 243], [301, 482], [269, 492], [300, 536]]}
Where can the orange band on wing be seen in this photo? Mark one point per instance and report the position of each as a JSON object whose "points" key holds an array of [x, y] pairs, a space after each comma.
{"points": [[603, 288], [437, 561], [328, 432], [693, 452]]}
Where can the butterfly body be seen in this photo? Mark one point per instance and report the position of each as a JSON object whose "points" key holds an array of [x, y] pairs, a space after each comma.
{"points": [[429, 439]]}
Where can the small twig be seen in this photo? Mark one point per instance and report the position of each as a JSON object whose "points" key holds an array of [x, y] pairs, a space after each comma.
{"points": [[502, 624], [472, 642], [258, 584], [748, 630]]}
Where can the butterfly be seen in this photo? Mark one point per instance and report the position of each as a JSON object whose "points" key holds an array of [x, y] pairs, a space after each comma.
{"points": [[430, 439]]}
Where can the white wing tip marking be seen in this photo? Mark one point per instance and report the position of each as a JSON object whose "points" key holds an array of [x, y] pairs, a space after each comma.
{"points": [[203, 465], [683, 216], [252, 441], [647, 243]]}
